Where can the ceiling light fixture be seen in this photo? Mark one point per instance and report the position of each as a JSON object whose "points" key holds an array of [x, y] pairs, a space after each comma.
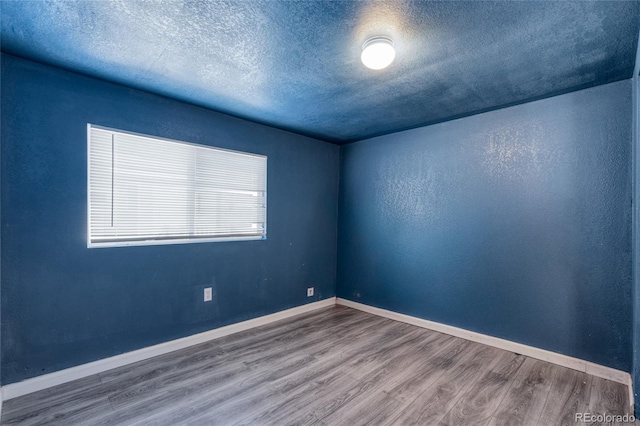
{"points": [[378, 53]]}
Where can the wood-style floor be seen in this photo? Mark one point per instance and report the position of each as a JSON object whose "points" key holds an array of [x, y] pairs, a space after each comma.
{"points": [[335, 366]]}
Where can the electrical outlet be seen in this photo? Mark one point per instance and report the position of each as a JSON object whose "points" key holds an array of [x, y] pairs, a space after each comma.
{"points": [[310, 292], [208, 294]]}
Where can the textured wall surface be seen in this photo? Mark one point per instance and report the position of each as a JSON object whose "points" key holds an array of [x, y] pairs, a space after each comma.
{"points": [[297, 65], [514, 223], [636, 229], [64, 304]]}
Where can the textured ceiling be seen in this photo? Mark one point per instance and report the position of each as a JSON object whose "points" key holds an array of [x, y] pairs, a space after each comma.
{"points": [[295, 64]]}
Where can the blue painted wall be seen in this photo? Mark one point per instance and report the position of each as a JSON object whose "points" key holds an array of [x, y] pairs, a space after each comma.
{"points": [[514, 223], [635, 372], [64, 304]]}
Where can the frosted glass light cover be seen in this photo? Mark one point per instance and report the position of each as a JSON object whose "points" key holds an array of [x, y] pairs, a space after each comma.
{"points": [[378, 53]]}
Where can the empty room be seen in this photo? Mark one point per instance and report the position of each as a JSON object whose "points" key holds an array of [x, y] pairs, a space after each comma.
{"points": [[270, 212]]}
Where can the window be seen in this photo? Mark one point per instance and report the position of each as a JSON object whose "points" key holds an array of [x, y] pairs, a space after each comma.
{"points": [[146, 190]]}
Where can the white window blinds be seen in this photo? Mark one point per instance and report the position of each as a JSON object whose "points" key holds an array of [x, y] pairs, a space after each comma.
{"points": [[144, 190]]}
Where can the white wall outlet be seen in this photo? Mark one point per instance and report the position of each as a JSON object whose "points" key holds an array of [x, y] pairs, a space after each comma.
{"points": [[310, 292], [208, 294]]}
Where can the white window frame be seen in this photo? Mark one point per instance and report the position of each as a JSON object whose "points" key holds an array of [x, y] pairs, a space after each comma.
{"points": [[170, 240]]}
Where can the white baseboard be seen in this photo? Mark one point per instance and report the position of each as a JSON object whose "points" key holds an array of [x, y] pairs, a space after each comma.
{"points": [[45, 381], [530, 351]]}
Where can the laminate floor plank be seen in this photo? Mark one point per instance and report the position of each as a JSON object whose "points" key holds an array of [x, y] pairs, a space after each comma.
{"points": [[373, 408], [407, 385], [302, 394], [152, 396], [300, 401], [385, 348], [334, 366], [396, 364], [268, 333], [69, 403], [570, 394], [434, 400], [317, 400], [233, 409], [218, 408], [608, 397], [230, 365], [244, 389], [480, 402], [373, 405], [527, 396], [81, 412], [181, 403], [57, 396], [320, 342], [361, 388], [353, 349]]}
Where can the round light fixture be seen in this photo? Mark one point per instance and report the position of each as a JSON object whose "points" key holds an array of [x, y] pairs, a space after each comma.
{"points": [[378, 53]]}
